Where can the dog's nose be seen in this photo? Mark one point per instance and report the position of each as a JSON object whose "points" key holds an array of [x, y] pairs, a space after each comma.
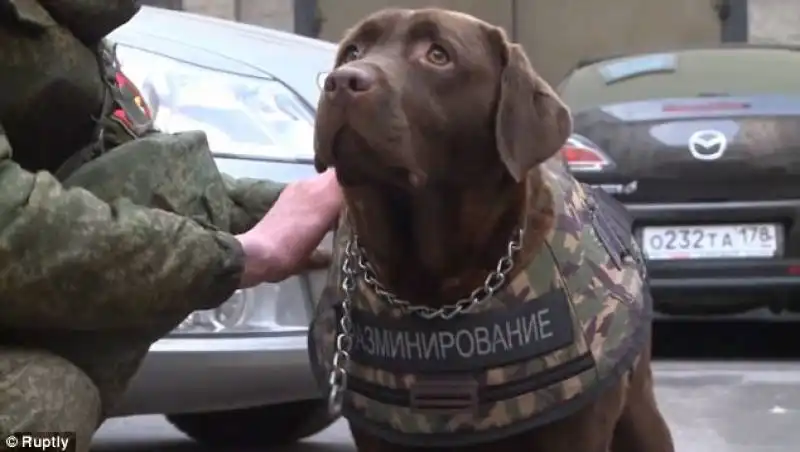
{"points": [[349, 81]]}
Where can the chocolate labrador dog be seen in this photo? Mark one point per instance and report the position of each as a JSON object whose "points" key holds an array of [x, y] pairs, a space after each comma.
{"points": [[442, 136]]}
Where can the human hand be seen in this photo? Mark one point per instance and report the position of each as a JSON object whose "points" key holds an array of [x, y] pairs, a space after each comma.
{"points": [[320, 259], [283, 243]]}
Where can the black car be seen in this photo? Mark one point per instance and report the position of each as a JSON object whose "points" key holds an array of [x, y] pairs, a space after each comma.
{"points": [[703, 146]]}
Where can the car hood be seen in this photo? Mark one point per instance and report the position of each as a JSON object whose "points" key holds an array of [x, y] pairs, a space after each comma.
{"points": [[232, 47]]}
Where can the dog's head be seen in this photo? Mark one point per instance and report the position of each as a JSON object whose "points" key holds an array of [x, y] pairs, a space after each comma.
{"points": [[434, 96]]}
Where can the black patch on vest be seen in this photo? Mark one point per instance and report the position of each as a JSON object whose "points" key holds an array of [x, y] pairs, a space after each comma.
{"points": [[471, 342], [640, 337]]}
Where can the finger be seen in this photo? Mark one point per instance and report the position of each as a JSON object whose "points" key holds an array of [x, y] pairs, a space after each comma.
{"points": [[319, 259]]}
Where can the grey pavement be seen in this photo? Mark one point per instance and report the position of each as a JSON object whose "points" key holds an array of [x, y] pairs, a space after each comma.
{"points": [[711, 406]]}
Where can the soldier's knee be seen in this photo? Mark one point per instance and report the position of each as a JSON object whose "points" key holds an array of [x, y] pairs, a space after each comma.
{"points": [[42, 392]]}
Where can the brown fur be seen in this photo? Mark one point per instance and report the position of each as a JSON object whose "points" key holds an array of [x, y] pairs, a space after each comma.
{"points": [[434, 122]]}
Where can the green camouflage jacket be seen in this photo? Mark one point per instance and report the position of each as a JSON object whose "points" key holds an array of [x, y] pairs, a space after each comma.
{"points": [[561, 331], [137, 233]]}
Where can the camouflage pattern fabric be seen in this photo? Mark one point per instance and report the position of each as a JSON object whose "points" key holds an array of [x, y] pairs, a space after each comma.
{"points": [[610, 310], [124, 114], [134, 273], [43, 392], [93, 271], [53, 85], [175, 173], [90, 20]]}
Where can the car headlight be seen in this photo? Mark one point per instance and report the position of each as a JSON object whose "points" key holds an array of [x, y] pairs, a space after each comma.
{"points": [[241, 116], [262, 309]]}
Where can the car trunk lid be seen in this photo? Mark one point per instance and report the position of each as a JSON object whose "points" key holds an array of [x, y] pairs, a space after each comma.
{"points": [[700, 149]]}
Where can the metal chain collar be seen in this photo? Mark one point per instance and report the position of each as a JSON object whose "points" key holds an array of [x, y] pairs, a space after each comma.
{"points": [[495, 281], [355, 264], [340, 365]]}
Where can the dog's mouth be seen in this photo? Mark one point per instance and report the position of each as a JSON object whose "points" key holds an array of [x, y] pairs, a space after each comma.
{"points": [[349, 148], [359, 162]]}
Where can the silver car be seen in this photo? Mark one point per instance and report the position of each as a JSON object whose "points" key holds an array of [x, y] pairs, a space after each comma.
{"points": [[239, 374]]}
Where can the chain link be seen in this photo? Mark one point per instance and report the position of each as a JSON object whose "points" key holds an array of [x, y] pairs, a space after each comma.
{"points": [[355, 264], [494, 282], [337, 379]]}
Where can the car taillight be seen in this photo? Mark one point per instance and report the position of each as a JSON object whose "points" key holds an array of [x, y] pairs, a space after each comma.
{"points": [[583, 155]]}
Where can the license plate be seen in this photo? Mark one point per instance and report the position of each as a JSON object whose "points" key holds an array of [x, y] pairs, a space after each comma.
{"points": [[710, 241]]}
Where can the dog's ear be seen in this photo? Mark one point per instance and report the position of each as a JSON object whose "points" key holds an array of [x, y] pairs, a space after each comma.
{"points": [[531, 122]]}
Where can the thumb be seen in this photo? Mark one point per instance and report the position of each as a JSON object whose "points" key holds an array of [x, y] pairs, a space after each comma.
{"points": [[319, 260]]}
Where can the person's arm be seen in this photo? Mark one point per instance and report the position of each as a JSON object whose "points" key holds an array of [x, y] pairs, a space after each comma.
{"points": [[70, 260], [252, 199]]}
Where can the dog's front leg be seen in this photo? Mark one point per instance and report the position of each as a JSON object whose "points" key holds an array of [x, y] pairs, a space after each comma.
{"points": [[369, 443], [641, 427]]}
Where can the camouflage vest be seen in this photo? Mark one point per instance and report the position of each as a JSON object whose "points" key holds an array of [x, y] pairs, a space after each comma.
{"points": [[559, 333]]}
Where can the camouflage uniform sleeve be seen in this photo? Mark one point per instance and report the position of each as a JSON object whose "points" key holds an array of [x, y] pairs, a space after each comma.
{"points": [[252, 199], [70, 260]]}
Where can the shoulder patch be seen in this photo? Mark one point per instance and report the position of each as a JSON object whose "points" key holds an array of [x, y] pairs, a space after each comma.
{"points": [[131, 111], [128, 107]]}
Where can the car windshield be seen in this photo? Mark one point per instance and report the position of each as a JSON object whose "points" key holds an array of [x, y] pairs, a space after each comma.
{"points": [[241, 115]]}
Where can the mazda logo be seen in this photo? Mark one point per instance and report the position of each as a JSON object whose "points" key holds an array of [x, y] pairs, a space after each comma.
{"points": [[707, 144]]}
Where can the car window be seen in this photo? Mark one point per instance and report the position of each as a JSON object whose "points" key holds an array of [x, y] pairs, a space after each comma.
{"points": [[685, 74], [625, 68]]}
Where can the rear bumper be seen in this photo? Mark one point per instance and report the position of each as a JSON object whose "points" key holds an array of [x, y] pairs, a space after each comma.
{"points": [[728, 284], [702, 212], [746, 274]]}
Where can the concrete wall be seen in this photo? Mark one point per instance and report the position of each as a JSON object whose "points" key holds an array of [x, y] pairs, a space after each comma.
{"points": [[218, 8], [337, 19], [557, 34], [278, 14], [774, 21], [561, 33]]}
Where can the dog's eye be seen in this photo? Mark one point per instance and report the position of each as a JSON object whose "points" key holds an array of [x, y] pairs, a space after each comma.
{"points": [[351, 53], [438, 55]]}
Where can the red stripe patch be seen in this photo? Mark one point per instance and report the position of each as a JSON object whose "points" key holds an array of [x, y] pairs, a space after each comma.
{"points": [[132, 111]]}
